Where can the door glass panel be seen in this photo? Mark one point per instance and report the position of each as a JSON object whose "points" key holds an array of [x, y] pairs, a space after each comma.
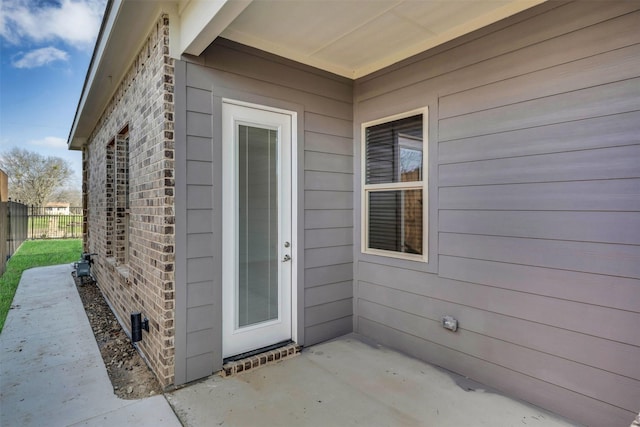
{"points": [[257, 293]]}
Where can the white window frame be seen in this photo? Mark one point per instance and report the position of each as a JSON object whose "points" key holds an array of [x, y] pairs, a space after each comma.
{"points": [[416, 185]]}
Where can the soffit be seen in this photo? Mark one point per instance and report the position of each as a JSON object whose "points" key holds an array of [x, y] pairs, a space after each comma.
{"points": [[351, 38], [358, 37]]}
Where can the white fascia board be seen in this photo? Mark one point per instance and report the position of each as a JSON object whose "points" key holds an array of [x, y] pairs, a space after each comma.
{"points": [[201, 21]]}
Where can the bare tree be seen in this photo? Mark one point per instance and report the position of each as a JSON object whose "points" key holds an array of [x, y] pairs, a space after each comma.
{"points": [[73, 196], [33, 178]]}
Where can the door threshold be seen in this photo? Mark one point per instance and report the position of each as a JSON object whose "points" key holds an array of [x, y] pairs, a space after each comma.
{"points": [[261, 357]]}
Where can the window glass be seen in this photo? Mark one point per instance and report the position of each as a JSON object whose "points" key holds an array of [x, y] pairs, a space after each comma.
{"points": [[395, 221], [394, 151], [410, 158]]}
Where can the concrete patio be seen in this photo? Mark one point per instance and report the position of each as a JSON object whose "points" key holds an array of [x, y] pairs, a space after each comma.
{"points": [[351, 382], [52, 374]]}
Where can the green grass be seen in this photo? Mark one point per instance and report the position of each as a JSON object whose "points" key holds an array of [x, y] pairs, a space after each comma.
{"points": [[34, 253]]}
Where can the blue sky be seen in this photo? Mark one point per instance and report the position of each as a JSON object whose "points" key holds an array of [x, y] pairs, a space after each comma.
{"points": [[45, 49]]}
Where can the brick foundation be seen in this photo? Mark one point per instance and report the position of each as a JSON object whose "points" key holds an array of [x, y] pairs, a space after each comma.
{"points": [[262, 359]]}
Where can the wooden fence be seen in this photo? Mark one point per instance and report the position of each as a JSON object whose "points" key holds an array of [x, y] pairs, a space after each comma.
{"points": [[14, 218]]}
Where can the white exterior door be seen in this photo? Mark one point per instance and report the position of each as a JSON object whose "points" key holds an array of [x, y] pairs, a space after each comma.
{"points": [[257, 227]]}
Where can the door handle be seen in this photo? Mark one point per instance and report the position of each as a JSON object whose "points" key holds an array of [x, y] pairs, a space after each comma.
{"points": [[286, 258]]}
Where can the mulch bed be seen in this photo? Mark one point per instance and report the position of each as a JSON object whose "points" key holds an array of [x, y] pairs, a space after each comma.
{"points": [[130, 376]]}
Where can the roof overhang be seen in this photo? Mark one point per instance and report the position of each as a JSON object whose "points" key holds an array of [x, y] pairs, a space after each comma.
{"points": [[348, 38], [124, 30], [355, 38]]}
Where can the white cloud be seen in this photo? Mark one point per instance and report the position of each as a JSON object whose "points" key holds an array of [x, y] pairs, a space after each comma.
{"points": [[75, 22], [50, 142], [40, 57]]}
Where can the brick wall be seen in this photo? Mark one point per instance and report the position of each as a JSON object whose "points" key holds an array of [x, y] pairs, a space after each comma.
{"points": [[143, 278]]}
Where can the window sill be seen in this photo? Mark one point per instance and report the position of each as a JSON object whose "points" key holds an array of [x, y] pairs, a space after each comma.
{"points": [[123, 270], [397, 255]]}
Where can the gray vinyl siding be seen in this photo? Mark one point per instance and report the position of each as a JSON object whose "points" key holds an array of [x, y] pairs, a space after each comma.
{"points": [[325, 182], [534, 208], [197, 284]]}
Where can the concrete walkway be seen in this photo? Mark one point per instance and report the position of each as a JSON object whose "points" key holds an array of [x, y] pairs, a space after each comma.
{"points": [[51, 371], [351, 382]]}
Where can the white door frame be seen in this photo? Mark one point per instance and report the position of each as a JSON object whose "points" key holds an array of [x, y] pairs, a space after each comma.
{"points": [[230, 115]]}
